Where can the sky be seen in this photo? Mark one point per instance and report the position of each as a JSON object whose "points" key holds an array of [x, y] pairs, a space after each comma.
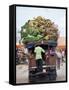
{"points": [[58, 16]]}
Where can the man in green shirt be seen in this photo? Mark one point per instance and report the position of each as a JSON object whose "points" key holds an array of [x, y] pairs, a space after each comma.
{"points": [[38, 54]]}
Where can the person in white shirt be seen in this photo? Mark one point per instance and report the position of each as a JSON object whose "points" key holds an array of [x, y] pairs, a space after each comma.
{"points": [[59, 58], [38, 54]]}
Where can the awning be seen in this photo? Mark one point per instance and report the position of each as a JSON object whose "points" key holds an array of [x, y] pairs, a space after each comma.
{"points": [[52, 43]]}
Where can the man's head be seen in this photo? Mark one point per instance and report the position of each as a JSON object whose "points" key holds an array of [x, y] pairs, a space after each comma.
{"points": [[37, 45]]}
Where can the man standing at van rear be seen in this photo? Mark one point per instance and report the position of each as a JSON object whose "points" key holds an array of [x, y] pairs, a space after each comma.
{"points": [[38, 53]]}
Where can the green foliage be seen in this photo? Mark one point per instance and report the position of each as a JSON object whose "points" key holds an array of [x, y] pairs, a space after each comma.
{"points": [[38, 28]]}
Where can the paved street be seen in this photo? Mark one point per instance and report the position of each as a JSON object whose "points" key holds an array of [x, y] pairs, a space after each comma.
{"points": [[61, 74], [22, 73]]}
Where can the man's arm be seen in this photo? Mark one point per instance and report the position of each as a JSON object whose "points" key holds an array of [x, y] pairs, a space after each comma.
{"points": [[43, 50], [35, 51]]}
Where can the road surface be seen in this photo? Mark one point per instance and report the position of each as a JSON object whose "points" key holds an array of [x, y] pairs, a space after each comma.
{"points": [[22, 73]]}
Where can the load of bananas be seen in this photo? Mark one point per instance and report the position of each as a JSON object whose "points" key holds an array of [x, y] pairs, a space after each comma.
{"points": [[39, 29]]}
